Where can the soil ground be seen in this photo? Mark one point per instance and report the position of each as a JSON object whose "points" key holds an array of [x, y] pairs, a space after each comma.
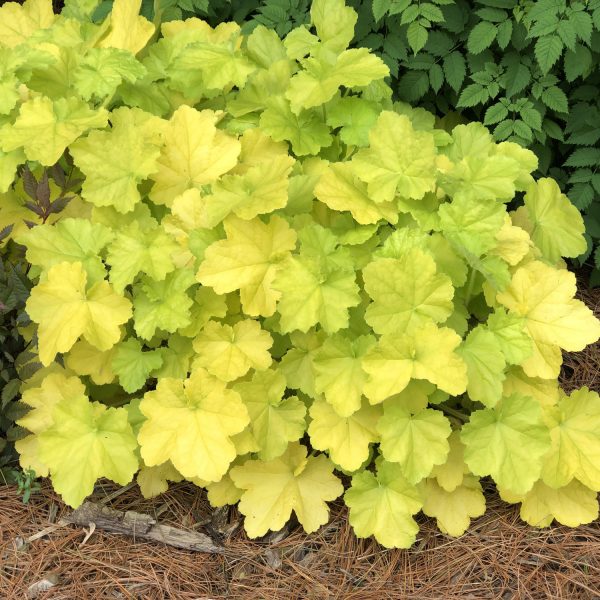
{"points": [[499, 558]]}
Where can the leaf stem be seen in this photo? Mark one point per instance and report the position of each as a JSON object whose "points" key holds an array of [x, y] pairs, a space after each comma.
{"points": [[470, 286], [454, 413]]}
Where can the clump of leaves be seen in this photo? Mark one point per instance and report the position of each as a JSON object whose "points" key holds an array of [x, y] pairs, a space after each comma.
{"points": [[528, 70], [273, 274]]}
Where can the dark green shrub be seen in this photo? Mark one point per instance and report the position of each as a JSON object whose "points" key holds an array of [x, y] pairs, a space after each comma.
{"points": [[528, 70], [14, 290]]}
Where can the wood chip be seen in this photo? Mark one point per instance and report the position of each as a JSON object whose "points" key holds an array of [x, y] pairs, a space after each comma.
{"points": [[140, 526], [39, 587]]}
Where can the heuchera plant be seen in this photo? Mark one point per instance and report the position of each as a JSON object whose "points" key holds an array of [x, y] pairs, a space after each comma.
{"points": [[272, 273]]}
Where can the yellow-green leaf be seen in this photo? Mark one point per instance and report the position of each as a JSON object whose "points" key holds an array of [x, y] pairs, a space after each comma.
{"points": [[230, 352], [190, 422], [292, 482], [64, 310]]}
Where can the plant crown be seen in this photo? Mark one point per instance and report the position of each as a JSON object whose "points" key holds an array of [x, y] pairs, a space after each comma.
{"points": [[271, 274]]}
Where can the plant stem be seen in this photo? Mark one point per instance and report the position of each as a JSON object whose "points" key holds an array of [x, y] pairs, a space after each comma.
{"points": [[470, 286], [455, 413]]}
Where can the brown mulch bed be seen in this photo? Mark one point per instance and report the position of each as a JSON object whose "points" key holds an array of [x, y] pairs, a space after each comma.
{"points": [[499, 558]]}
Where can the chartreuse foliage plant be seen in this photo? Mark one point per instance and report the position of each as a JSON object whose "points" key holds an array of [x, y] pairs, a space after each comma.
{"points": [[530, 70], [272, 274]]}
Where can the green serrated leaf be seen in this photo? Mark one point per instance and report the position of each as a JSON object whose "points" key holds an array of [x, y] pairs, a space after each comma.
{"points": [[472, 95], [436, 77], [413, 85], [582, 24], [410, 14], [581, 195], [505, 29], [554, 98], [578, 62], [523, 130], [553, 130], [567, 33], [516, 77], [481, 37], [597, 257], [548, 50], [380, 8], [431, 12], [417, 36], [548, 23], [495, 113], [596, 18], [455, 70], [584, 157], [495, 15], [10, 391], [503, 130], [532, 118], [439, 43]]}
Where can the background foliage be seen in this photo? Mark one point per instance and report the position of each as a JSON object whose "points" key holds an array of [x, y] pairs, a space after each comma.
{"points": [[528, 70]]}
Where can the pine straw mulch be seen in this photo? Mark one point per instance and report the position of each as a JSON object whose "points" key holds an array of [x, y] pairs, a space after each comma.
{"points": [[499, 558]]}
